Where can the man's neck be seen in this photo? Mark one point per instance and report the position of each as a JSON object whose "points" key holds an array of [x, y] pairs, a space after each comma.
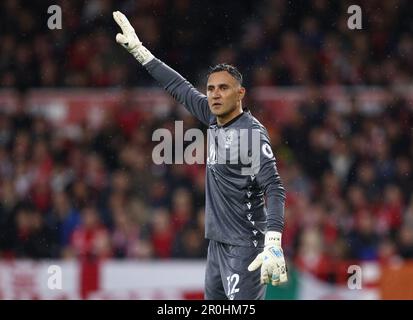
{"points": [[222, 120]]}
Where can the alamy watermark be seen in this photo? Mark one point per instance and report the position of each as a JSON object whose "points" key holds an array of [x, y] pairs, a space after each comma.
{"points": [[55, 20], [355, 281], [229, 146], [54, 281], [355, 20]]}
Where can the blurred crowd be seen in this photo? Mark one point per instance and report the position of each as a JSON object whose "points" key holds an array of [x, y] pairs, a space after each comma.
{"points": [[274, 42], [98, 194], [349, 180]]}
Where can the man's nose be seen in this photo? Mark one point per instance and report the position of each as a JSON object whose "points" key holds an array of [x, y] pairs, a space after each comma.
{"points": [[216, 94]]}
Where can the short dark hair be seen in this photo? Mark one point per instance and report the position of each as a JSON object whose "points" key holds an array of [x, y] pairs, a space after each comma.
{"points": [[233, 71]]}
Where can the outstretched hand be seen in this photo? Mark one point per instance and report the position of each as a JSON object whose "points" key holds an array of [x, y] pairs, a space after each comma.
{"points": [[129, 40]]}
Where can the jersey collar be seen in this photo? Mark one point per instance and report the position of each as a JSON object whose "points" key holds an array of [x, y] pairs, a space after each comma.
{"points": [[245, 110]]}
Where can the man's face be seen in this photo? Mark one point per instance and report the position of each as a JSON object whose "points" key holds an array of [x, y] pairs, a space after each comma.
{"points": [[224, 93]]}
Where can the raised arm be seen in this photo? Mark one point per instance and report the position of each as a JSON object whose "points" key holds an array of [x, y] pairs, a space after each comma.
{"points": [[176, 85]]}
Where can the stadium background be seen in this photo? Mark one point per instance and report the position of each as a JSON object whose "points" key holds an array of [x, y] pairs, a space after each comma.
{"points": [[78, 186]]}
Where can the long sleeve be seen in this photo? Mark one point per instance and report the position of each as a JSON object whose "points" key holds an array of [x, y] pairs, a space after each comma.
{"points": [[180, 89], [269, 180]]}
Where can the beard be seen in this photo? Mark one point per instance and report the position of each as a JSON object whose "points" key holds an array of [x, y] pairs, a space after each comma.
{"points": [[223, 111]]}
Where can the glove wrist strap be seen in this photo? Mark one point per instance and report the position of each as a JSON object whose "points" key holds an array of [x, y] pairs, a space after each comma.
{"points": [[142, 54], [273, 238]]}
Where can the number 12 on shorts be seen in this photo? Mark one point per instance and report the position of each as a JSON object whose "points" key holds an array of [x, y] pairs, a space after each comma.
{"points": [[232, 285]]}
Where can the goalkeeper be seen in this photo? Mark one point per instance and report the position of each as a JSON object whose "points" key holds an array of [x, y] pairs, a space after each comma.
{"points": [[244, 251]]}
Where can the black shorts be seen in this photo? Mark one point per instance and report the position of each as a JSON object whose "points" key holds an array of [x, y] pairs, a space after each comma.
{"points": [[227, 276]]}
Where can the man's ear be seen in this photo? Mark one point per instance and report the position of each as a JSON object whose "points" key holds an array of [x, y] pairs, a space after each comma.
{"points": [[241, 92]]}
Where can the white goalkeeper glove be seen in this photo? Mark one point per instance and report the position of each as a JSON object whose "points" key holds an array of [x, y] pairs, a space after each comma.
{"points": [[271, 260], [129, 40]]}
